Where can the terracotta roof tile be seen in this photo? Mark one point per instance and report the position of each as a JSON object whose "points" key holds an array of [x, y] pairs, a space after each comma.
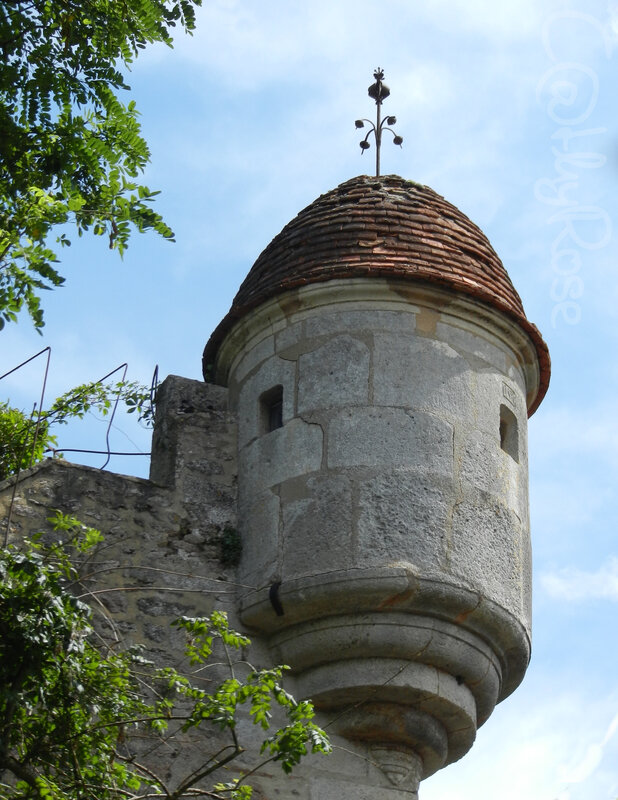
{"points": [[382, 227]]}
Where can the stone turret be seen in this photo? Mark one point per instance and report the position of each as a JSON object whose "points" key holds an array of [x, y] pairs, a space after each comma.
{"points": [[382, 369]]}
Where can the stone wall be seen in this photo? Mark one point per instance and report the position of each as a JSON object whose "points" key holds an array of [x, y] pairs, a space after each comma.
{"points": [[165, 532], [164, 555]]}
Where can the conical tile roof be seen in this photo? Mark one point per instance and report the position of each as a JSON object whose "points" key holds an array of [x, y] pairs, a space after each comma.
{"points": [[383, 227]]}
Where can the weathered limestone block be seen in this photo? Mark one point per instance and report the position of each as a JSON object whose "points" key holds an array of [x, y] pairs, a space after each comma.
{"points": [[335, 320], [403, 518], [317, 521], [334, 375], [295, 449], [390, 438], [259, 523], [493, 560], [419, 372]]}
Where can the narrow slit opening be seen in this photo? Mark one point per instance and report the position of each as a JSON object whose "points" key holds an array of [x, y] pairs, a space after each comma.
{"points": [[271, 409], [509, 434]]}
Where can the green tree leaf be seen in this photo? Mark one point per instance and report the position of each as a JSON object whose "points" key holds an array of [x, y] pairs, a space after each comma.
{"points": [[71, 709], [70, 148], [24, 440]]}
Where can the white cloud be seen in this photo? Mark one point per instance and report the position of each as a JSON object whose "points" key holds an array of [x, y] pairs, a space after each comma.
{"points": [[249, 44], [572, 584], [586, 764], [544, 744]]}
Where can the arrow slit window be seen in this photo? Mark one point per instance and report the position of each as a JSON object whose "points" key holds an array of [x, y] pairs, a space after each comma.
{"points": [[509, 435], [271, 409]]}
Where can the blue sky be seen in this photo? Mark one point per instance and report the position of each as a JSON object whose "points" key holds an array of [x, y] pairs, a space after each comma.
{"points": [[509, 111]]}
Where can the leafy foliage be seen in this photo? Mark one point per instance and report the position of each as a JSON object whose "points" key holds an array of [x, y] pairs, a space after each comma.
{"points": [[24, 440], [73, 713], [21, 444], [100, 397], [70, 150]]}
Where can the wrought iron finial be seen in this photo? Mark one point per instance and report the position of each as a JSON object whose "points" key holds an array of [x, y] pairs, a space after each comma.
{"points": [[378, 91]]}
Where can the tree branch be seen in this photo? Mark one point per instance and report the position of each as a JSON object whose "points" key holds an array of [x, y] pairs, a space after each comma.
{"points": [[198, 774]]}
